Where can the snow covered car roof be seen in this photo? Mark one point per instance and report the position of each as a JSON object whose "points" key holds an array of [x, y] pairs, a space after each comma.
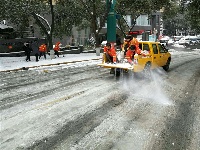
{"points": [[3, 26]]}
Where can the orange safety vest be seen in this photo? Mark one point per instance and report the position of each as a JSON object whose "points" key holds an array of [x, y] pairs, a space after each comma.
{"points": [[111, 52], [57, 46], [126, 42], [129, 55], [43, 48], [135, 42]]}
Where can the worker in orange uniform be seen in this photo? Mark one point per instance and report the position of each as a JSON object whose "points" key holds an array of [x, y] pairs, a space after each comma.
{"points": [[110, 53], [130, 54], [135, 42], [57, 48], [43, 50], [126, 43]]}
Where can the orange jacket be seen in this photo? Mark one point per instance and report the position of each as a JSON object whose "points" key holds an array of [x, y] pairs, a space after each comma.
{"points": [[111, 52], [57, 46], [129, 55], [43, 48], [135, 42], [126, 43]]}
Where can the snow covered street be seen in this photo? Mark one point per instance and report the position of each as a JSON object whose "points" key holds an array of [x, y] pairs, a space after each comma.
{"points": [[79, 105]]}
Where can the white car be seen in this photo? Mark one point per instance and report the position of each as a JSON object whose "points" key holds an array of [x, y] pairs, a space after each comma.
{"points": [[171, 41], [164, 41], [184, 41], [176, 39]]}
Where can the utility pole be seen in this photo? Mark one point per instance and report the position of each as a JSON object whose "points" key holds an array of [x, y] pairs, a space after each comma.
{"points": [[111, 22]]}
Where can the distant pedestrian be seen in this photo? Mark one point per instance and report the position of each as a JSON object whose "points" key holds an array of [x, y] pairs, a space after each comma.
{"points": [[43, 49], [35, 49], [57, 48], [27, 51]]}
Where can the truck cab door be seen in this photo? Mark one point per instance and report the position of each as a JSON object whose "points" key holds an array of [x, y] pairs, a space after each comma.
{"points": [[155, 56], [163, 56]]}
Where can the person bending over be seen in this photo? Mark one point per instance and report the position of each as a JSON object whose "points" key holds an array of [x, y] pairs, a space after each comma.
{"points": [[110, 53], [130, 54]]}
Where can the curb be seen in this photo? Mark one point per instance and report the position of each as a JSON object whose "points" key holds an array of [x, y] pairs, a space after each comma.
{"points": [[67, 62]]}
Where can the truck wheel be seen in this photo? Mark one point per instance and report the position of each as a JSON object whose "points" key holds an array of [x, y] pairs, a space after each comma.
{"points": [[117, 72], [147, 71], [166, 67]]}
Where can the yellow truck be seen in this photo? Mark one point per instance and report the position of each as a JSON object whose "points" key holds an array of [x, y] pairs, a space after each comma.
{"points": [[153, 55]]}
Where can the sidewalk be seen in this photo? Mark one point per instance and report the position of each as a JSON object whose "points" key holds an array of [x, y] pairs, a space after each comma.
{"points": [[19, 63]]}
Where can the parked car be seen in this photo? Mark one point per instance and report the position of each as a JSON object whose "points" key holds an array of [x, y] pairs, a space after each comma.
{"points": [[184, 41], [177, 38], [164, 41], [171, 41], [188, 40]]}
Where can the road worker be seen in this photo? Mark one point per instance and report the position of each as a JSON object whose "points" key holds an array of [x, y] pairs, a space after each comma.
{"points": [[57, 48], [126, 43], [130, 54], [111, 55], [135, 42], [43, 49]]}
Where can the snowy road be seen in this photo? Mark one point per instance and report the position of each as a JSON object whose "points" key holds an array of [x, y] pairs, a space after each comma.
{"points": [[84, 107]]}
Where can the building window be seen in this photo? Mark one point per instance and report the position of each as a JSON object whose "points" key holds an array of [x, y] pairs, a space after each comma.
{"points": [[142, 20], [128, 19]]}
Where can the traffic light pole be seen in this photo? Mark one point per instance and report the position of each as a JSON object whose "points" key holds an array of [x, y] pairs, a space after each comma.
{"points": [[111, 22]]}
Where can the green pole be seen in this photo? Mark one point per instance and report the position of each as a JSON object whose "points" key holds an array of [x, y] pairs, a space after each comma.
{"points": [[111, 21]]}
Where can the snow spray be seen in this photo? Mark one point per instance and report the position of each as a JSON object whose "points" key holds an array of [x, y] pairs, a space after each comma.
{"points": [[147, 89]]}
